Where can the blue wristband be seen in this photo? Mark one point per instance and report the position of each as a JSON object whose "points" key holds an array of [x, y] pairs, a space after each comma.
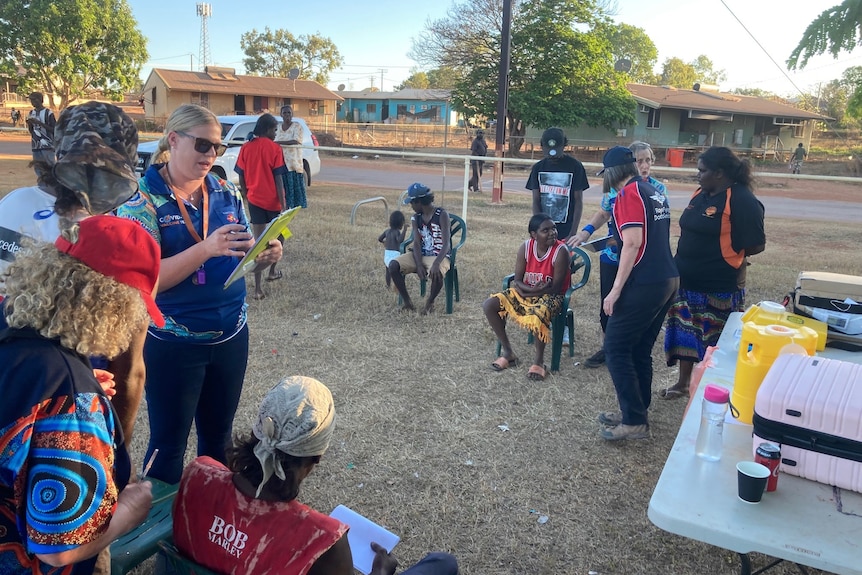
{"points": [[589, 228]]}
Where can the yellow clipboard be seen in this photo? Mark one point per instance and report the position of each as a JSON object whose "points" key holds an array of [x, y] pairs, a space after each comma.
{"points": [[274, 229]]}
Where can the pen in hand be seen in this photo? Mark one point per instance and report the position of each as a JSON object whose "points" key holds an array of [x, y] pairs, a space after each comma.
{"points": [[149, 464]]}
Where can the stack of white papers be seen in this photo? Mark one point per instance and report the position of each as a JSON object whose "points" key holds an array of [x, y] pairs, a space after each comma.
{"points": [[362, 532]]}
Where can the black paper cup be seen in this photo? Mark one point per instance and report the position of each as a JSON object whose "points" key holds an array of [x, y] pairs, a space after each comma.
{"points": [[752, 478]]}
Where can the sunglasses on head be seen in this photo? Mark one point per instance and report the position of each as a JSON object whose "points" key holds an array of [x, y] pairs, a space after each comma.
{"points": [[203, 146]]}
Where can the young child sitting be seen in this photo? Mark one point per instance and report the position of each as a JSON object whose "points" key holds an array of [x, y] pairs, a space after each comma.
{"points": [[391, 239]]}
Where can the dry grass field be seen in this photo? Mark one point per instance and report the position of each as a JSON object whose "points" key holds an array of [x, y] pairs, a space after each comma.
{"points": [[506, 473]]}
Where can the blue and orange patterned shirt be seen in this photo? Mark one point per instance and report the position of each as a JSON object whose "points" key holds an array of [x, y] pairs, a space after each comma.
{"points": [[63, 461]]}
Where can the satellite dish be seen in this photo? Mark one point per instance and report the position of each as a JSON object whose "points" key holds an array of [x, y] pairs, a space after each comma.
{"points": [[623, 65], [293, 74], [340, 87]]}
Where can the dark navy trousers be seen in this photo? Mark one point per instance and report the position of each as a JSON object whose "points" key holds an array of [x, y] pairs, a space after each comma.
{"points": [[188, 383], [629, 338]]}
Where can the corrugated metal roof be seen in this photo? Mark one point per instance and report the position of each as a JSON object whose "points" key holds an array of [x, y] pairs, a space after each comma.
{"points": [[406, 94], [414, 94], [221, 82], [364, 95], [668, 97]]}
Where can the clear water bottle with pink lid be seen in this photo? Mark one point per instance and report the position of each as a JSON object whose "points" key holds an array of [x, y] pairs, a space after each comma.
{"points": [[710, 435]]}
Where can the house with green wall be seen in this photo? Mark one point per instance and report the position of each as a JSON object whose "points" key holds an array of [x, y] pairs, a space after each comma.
{"points": [[691, 120]]}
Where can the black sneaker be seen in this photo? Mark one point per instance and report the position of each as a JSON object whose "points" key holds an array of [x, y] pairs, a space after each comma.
{"points": [[596, 360]]}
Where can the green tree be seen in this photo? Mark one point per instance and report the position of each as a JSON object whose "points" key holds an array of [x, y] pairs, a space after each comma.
{"points": [[416, 80], [275, 52], [835, 30], [703, 67], [436, 78], [755, 92], [681, 74], [442, 78], [676, 73], [561, 71], [68, 49], [632, 44]]}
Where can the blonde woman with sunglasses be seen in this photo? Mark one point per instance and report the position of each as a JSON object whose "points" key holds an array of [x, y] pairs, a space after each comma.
{"points": [[195, 363]]}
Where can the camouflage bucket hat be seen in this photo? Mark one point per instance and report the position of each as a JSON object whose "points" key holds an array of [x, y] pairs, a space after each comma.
{"points": [[96, 146]]}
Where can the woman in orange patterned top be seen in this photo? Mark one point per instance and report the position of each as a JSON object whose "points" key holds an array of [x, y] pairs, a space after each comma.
{"points": [[721, 226]]}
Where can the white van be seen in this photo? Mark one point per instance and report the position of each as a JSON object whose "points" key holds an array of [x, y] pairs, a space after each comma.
{"points": [[234, 133]]}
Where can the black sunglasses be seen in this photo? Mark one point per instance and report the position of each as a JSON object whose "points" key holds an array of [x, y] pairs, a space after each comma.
{"points": [[203, 146]]}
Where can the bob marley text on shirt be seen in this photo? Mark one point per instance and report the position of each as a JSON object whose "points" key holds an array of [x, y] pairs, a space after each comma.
{"points": [[555, 192]]}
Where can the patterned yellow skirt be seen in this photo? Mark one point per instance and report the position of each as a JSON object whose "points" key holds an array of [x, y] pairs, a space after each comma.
{"points": [[533, 313]]}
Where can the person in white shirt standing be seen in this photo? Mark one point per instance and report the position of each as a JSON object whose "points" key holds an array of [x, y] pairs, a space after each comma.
{"points": [[289, 133]]}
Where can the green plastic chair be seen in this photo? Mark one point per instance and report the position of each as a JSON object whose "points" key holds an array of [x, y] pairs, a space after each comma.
{"points": [[181, 564], [137, 545], [580, 266], [457, 237]]}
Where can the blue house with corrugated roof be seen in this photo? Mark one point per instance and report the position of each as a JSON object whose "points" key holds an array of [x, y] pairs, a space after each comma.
{"points": [[410, 106]]}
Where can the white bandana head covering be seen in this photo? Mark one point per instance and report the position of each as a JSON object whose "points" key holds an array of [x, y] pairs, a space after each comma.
{"points": [[296, 417]]}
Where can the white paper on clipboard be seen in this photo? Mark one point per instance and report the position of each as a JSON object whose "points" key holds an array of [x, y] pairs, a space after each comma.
{"points": [[362, 532], [274, 229], [596, 245]]}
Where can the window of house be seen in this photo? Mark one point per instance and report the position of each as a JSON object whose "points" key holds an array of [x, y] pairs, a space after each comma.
{"points": [[654, 118], [201, 99], [779, 121], [313, 107], [260, 103], [153, 96], [371, 108], [798, 131]]}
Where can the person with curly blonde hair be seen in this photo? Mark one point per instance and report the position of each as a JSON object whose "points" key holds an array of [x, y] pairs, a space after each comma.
{"points": [[92, 173], [64, 467]]}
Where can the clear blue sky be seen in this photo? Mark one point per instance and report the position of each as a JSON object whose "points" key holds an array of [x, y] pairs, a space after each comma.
{"points": [[378, 34]]}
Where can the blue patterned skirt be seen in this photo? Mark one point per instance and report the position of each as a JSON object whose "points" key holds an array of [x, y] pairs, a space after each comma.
{"points": [[294, 189], [695, 320]]}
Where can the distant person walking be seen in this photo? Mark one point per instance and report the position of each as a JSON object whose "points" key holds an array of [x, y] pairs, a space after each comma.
{"points": [[16, 117], [479, 147], [40, 124], [799, 155]]}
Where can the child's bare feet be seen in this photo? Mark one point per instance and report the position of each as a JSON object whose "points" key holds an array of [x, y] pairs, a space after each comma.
{"points": [[408, 306], [258, 295], [429, 307]]}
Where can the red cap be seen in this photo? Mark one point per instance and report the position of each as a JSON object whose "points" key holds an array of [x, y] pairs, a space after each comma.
{"points": [[120, 249]]}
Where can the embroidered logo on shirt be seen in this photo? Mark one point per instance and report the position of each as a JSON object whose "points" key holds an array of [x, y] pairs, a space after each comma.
{"points": [[710, 212]]}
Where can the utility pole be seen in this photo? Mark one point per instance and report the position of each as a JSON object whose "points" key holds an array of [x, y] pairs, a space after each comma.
{"points": [[502, 101], [382, 71]]}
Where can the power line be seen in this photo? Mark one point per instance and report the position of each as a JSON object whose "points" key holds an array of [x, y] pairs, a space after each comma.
{"points": [[768, 55]]}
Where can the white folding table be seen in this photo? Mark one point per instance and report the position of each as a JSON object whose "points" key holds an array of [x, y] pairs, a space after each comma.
{"points": [[802, 521]]}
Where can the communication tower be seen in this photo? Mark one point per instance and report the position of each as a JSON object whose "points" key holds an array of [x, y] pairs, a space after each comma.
{"points": [[204, 11]]}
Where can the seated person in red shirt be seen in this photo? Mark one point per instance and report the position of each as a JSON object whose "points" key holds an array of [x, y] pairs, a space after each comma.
{"points": [[246, 519]]}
